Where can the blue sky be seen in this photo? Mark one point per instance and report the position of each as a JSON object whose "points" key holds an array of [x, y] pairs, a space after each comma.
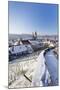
{"points": [[25, 18]]}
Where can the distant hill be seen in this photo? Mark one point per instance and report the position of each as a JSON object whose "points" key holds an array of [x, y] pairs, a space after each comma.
{"points": [[29, 36], [23, 36]]}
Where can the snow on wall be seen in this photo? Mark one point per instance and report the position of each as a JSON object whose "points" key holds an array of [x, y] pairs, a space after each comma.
{"points": [[39, 71]]}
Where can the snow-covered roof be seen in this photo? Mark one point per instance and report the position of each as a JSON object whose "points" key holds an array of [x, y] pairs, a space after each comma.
{"points": [[18, 49]]}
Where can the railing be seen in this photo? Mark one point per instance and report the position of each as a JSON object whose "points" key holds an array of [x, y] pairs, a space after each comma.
{"points": [[52, 65], [42, 75]]}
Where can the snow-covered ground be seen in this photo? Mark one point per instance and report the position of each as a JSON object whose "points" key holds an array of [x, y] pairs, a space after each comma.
{"points": [[33, 70], [20, 67]]}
